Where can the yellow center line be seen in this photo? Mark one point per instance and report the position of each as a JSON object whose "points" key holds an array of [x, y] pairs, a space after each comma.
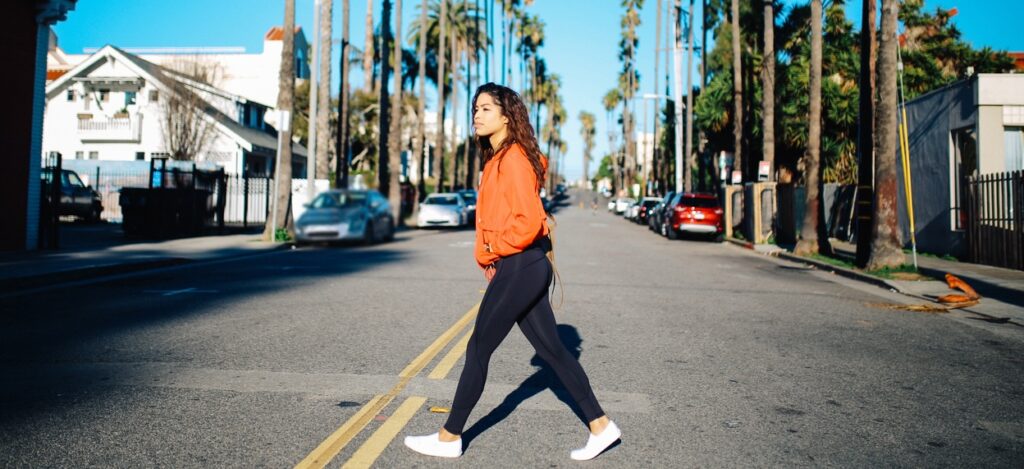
{"points": [[446, 363], [334, 443], [371, 449]]}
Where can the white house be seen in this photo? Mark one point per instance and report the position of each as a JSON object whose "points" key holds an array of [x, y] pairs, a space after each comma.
{"points": [[111, 106]]}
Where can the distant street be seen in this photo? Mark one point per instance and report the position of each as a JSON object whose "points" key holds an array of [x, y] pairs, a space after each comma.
{"points": [[705, 354]]}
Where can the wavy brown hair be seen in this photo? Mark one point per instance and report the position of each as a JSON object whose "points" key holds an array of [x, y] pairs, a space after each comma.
{"points": [[519, 129]]}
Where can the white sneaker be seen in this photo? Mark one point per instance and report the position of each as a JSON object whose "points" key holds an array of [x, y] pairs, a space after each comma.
{"points": [[431, 445], [597, 443]]}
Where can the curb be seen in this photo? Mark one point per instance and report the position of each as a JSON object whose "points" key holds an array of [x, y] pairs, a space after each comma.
{"points": [[843, 271], [740, 243]]}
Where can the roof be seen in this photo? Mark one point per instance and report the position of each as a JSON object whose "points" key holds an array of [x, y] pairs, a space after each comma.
{"points": [[1018, 60], [276, 33]]}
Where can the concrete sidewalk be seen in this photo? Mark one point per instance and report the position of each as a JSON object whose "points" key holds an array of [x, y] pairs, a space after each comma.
{"points": [[101, 251]]}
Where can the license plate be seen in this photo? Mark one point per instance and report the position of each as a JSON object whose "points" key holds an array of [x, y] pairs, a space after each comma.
{"points": [[698, 215]]}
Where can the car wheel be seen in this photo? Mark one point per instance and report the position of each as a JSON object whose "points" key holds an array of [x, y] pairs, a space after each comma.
{"points": [[663, 231], [672, 234], [369, 237], [94, 214], [391, 231]]}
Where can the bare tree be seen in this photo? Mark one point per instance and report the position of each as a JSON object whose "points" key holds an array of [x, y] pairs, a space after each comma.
{"points": [[285, 102], [186, 126], [809, 242], [887, 239]]}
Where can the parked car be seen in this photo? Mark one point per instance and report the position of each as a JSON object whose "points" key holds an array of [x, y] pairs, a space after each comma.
{"points": [[655, 214], [76, 198], [695, 213], [443, 209], [646, 204], [622, 203], [469, 196], [346, 215]]}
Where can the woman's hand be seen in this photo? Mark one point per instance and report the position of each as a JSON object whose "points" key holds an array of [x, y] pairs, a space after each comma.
{"points": [[489, 272]]}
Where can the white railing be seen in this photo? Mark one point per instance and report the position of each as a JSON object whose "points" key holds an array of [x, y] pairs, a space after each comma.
{"points": [[114, 129]]}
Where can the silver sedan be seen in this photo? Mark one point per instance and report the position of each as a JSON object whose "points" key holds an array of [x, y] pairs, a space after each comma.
{"points": [[346, 215]]}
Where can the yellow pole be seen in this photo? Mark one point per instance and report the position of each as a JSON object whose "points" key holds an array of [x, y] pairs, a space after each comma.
{"points": [[907, 180]]}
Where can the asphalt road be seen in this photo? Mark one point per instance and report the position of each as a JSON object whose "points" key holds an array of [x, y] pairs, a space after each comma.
{"points": [[705, 355]]}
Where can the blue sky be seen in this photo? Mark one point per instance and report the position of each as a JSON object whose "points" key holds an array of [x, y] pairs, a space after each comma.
{"points": [[581, 43]]}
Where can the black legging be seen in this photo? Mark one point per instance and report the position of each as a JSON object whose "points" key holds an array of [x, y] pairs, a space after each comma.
{"points": [[518, 293]]}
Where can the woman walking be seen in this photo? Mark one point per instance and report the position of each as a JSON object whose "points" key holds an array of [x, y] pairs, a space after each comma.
{"points": [[511, 246]]}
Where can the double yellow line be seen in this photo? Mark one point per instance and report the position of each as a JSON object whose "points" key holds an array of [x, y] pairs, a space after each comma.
{"points": [[366, 454]]}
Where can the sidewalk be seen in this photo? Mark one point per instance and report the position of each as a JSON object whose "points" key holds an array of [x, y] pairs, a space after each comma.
{"points": [[99, 250], [1002, 290]]}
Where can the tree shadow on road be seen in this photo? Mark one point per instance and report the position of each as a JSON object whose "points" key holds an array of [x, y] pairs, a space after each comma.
{"points": [[544, 378]]}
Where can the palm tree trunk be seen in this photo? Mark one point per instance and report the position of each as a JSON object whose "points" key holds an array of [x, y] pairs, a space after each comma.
{"points": [[395, 142], [467, 150], [865, 137], [280, 218], [323, 119], [384, 117], [886, 247], [688, 152], [809, 242], [454, 171], [368, 49], [737, 88], [768, 89], [418, 147], [439, 147], [341, 144]]}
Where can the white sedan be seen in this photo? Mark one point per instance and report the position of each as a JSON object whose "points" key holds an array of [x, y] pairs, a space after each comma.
{"points": [[443, 209]]}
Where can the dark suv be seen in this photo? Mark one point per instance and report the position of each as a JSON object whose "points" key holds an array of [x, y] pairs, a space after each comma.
{"points": [[76, 198], [655, 214]]}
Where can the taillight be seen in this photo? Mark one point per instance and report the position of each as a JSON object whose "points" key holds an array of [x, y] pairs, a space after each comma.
{"points": [[718, 211]]}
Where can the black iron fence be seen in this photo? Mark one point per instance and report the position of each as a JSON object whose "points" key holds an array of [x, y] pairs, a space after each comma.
{"points": [[995, 219]]}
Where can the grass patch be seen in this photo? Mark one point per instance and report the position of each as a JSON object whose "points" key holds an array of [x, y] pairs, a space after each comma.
{"points": [[903, 272]]}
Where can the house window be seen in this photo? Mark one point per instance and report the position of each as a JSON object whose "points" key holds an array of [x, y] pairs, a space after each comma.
{"points": [[140, 155], [94, 155], [79, 155], [129, 97], [963, 164], [1014, 139], [104, 95], [154, 96], [71, 95]]}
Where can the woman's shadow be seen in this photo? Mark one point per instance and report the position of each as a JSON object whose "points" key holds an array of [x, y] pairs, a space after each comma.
{"points": [[543, 378]]}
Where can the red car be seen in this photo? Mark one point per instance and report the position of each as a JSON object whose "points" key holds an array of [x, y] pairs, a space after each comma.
{"points": [[695, 213]]}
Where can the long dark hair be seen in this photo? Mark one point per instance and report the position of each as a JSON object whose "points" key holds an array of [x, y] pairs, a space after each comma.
{"points": [[519, 129]]}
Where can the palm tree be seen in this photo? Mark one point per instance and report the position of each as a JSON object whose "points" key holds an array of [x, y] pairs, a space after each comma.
{"points": [[737, 88], [809, 242], [587, 131], [341, 138], [442, 34], [395, 143], [418, 146], [629, 81], [368, 50], [886, 236], [865, 139], [688, 152], [611, 101], [285, 100], [323, 119], [768, 88]]}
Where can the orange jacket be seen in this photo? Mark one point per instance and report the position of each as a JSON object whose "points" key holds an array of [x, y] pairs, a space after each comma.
{"points": [[509, 213]]}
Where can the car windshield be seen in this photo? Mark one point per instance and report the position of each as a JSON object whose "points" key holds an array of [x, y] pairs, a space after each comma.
{"points": [[339, 199], [699, 202], [651, 203], [442, 200], [469, 198]]}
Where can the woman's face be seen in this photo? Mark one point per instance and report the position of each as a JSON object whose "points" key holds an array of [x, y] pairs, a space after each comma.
{"points": [[488, 118]]}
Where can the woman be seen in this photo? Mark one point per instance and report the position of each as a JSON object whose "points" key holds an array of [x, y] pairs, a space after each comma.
{"points": [[511, 246]]}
